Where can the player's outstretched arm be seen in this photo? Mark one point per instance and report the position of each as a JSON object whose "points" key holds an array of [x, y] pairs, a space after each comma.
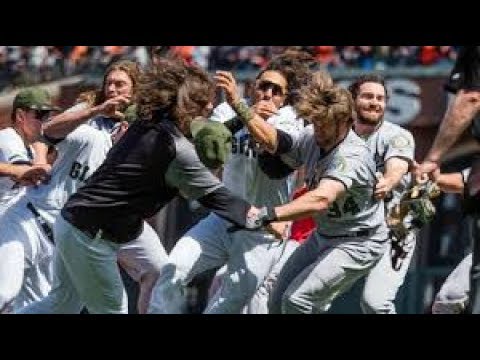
{"points": [[450, 183], [59, 126], [24, 174], [460, 113], [395, 168], [312, 202]]}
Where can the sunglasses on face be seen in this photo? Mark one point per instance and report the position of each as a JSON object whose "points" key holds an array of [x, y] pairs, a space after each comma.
{"points": [[264, 85], [42, 115]]}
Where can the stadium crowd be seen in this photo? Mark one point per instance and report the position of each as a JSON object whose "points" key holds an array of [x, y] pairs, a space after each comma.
{"points": [[27, 65]]}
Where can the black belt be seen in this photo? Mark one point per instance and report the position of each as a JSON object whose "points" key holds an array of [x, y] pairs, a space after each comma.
{"points": [[361, 233], [45, 227]]}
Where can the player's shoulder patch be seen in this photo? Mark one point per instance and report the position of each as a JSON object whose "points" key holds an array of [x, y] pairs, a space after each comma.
{"points": [[339, 164], [400, 141]]}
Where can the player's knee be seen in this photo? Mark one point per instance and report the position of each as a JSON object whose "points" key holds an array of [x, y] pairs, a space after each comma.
{"points": [[171, 275], [295, 303], [168, 293], [372, 303]]}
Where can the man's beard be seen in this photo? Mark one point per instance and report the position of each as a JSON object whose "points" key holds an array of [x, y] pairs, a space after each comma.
{"points": [[368, 121]]}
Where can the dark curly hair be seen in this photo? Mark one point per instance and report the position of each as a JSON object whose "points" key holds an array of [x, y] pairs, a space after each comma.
{"points": [[173, 87], [297, 68]]}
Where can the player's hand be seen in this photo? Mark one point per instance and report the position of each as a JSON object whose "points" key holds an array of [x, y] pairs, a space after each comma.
{"points": [[27, 175], [122, 128], [383, 187], [278, 229], [112, 108], [226, 81], [265, 109], [424, 171]]}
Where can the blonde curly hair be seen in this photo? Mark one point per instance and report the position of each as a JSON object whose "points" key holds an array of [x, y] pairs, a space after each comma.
{"points": [[318, 101]]}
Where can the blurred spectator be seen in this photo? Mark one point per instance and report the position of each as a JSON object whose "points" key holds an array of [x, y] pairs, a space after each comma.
{"points": [[24, 65], [428, 55], [327, 56]]}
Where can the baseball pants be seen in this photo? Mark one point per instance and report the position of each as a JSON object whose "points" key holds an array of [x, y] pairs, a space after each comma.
{"points": [[453, 295], [383, 281], [26, 257], [249, 256], [86, 271], [320, 270]]}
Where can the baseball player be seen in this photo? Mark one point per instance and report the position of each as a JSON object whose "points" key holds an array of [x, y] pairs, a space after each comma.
{"points": [[248, 256], [152, 163], [22, 258], [80, 151], [393, 151], [351, 233], [294, 70]]}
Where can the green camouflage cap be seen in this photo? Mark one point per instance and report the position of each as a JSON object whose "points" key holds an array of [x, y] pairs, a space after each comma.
{"points": [[213, 142], [34, 98], [130, 113]]}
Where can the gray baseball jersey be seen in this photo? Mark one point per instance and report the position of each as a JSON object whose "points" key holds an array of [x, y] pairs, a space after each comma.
{"points": [[351, 163], [242, 175], [12, 150], [389, 141]]}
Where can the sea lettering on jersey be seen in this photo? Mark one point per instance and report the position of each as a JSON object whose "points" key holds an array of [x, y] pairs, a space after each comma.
{"points": [[245, 145]]}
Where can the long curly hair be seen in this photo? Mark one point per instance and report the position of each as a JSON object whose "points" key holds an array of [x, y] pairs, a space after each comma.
{"points": [[173, 87], [97, 97], [297, 68]]}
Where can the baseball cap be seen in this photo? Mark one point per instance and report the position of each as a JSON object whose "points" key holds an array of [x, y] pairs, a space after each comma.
{"points": [[130, 113], [34, 98], [213, 142]]}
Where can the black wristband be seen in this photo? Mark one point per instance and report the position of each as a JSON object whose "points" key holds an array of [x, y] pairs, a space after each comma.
{"points": [[271, 215]]}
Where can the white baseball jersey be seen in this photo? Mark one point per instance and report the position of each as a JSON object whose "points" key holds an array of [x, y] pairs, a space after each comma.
{"points": [[12, 150], [78, 156], [351, 163], [242, 175]]}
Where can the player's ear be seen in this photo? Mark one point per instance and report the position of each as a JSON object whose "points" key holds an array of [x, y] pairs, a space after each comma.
{"points": [[19, 116]]}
